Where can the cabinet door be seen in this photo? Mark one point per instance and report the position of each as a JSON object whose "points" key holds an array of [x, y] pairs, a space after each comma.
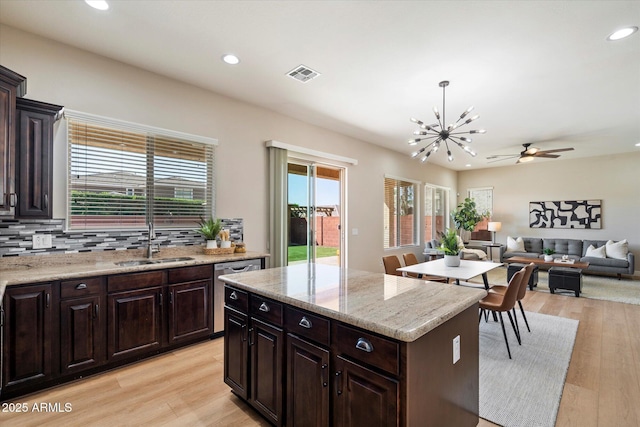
{"points": [[7, 144], [190, 314], [135, 323], [267, 381], [236, 352], [28, 335], [35, 144], [307, 384], [364, 397], [82, 337]]}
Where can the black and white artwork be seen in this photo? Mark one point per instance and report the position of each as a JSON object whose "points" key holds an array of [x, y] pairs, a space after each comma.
{"points": [[566, 214]]}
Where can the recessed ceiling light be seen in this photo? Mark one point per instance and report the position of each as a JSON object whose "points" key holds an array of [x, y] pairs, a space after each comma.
{"points": [[638, 144], [230, 59], [622, 33], [98, 4], [468, 165]]}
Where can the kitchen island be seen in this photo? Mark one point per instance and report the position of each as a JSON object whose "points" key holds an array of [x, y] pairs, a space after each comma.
{"points": [[319, 345]]}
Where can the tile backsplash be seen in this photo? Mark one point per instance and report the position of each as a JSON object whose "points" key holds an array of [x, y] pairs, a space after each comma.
{"points": [[16, 237]]}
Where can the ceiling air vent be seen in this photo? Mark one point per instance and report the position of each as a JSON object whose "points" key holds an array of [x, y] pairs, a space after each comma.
{"points": [[303, 73]]}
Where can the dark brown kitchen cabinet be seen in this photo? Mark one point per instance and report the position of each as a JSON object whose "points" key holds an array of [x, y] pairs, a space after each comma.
{"points": [[190, 314], [364, 397], [307, 384], [267, 388], [34, 135], [28, 336], [135, 323], [236, 352], [82, 325], [12, 86]]}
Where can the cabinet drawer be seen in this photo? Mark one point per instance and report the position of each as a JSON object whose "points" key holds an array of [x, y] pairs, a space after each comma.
{"points": [[190, 274], [305, 324], [366, 347], [132, 281], [266, 309], [236, 298], [81, 287]]}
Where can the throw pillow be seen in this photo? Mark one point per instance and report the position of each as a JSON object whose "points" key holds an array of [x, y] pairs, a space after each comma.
{"points": [[515, 245], [596, 252], [460, 243], [617, 250]]}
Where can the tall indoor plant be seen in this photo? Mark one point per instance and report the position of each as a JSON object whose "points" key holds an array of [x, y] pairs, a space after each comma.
{"points": [[466, 217]]}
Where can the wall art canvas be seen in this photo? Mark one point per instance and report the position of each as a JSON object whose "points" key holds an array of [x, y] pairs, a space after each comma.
{"points": [[566, 214]]}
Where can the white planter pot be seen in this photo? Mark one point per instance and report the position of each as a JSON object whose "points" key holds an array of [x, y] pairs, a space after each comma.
{"points": [[452, 260], [225, 243], [212, 244], [548, 258]]}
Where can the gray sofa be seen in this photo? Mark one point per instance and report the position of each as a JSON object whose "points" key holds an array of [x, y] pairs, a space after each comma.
{"points": [[575, 249]]}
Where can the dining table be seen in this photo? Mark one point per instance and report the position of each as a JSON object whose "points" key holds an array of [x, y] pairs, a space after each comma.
{"points": [[467, 270]]}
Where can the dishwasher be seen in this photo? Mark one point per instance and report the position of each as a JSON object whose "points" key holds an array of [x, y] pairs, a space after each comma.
{"points": [[223, 268]]}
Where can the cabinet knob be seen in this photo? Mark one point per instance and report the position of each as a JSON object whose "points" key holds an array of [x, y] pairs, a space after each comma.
{"points": [[233, 296], [305, 323], [364, 345], [264, 307]]}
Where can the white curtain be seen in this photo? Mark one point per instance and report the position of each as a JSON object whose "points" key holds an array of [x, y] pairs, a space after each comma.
{"points": [[278, 212]]}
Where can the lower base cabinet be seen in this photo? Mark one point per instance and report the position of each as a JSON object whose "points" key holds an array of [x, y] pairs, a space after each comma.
{"points": [[81, 334], [267, 345]]}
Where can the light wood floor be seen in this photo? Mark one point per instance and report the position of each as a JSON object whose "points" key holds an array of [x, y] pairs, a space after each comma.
{"points": [[185, 387]]}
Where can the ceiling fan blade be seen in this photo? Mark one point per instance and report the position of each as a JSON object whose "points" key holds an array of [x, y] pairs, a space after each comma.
{"points": [[556, 151], [506, 158], [545, 155], [501, 155]]}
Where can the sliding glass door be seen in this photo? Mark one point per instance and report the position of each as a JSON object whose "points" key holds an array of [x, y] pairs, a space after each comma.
{"points": [[315, 213], [436, 211]]}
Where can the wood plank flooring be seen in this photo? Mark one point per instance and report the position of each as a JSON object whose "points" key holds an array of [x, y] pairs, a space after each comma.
{"points": [[185, 387]]}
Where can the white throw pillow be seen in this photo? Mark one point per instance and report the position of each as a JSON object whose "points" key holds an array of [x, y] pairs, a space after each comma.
{"points": [[596, 252], [515, 245], [617, 250]]}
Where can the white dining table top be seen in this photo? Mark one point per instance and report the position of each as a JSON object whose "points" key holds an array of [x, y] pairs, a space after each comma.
{"points": [[467, 269]]}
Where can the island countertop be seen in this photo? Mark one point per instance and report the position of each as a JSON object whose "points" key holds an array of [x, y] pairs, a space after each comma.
{"points": [[397, 307]]}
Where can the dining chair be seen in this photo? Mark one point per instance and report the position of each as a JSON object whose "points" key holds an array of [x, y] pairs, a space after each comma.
{"points": [[501, 289], [391, 265], [499, 303], [410, 259]]}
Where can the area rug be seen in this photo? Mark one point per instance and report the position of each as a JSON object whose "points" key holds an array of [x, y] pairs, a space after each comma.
{"points": [[594, 287], [525, 390]]}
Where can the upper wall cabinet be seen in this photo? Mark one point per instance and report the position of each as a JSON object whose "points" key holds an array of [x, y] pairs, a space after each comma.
{"points": [[12, 85], [35, 157], [26, 144]]}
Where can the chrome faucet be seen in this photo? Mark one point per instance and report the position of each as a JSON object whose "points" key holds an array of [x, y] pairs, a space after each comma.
{"points": [[150, 245]]}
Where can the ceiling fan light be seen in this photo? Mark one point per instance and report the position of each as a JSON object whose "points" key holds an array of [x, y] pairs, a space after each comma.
{"points": [[525, 159]]}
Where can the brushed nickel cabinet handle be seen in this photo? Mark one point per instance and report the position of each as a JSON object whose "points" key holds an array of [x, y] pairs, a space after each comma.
{"points": [[81, 286], [46, 201], [305, 323], [264, 307], [96, 311], [233, 296], [364, 345]]}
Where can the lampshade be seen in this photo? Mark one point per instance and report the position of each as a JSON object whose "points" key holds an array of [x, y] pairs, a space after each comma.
{"points": [[494, 226]]}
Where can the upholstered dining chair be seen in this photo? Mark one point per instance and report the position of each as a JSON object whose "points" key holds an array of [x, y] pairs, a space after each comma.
{"points": [[499, 303], [410, 259], [501, 289], [391, 265]]}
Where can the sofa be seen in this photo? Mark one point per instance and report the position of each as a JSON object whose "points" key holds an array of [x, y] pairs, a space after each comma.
{"points": [[472, 254], [577, 250]]}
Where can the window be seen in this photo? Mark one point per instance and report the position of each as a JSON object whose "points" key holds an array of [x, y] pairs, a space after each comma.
{"points": [[123, 175], [399, 219], [436, 211]]}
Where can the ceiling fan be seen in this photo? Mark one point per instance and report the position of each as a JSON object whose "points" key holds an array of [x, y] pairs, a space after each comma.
{"points": [[529, 153]]}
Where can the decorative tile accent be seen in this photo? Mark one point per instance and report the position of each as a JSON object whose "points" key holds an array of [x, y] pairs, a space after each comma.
{"points": [[16, 237]]}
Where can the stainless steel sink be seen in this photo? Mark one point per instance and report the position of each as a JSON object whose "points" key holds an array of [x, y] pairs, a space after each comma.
{"points": [[137, 262]]}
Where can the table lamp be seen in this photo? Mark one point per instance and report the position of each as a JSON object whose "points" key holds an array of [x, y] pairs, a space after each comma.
{"points": [[494, 226]]}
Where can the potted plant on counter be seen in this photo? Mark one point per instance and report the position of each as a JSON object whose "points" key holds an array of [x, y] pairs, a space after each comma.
{"points": [[209, 228], [547, 254], [449, 245]]}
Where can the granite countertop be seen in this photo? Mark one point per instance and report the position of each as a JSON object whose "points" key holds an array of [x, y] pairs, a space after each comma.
{"points": [[33, 269], [397, 307]]}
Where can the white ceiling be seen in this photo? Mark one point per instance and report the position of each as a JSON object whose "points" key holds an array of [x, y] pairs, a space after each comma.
{"points": [[536, 71]]}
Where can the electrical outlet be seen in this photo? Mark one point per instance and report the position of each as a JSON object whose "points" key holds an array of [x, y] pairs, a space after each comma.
{"points": [[42, 241], [456, 349]]}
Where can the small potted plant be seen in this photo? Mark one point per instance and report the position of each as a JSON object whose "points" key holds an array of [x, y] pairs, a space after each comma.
{"points": [[547, 254], [449, 245], [209, 229]]}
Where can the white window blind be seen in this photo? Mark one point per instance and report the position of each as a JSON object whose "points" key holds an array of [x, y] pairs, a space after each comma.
{"points": [[399, 219], [123, 175]]}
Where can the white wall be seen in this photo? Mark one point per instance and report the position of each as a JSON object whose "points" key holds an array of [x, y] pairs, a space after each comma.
{"points": [[614, 179], [85, 82]]}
